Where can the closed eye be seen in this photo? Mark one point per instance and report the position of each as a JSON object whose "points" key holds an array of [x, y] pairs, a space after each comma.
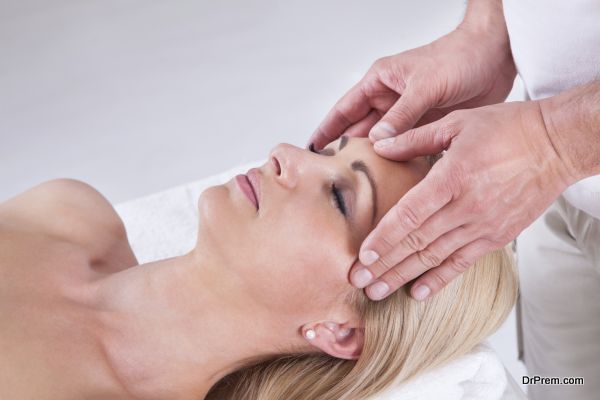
{"points": [[336, 193], [339, 200], [358, 166]]}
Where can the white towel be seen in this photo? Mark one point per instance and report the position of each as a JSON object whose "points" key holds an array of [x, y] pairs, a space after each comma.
{"points": [[478, 375], [165, 224]]}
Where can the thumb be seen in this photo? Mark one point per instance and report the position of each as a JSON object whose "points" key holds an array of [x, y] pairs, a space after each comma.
{"points": [[403, 115], [424, 140]]}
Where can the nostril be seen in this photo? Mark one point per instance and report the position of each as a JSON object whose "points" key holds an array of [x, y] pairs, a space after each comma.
{"points": [[277, 166]]}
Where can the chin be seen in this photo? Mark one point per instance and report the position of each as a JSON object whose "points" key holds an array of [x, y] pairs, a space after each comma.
{"points": [[220, 221], [210, 204]]}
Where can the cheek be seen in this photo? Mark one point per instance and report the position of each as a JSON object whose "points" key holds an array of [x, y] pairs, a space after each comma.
{"points": [[302, 263], [293, 260]]}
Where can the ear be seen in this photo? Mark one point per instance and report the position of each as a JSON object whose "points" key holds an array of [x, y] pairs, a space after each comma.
{"points": [[337, 340]]}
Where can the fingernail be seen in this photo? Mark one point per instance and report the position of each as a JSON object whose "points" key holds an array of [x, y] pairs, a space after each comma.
{"points": [[380, 144], [361, 277], [382, 130], [368, 257], [421, 292], [378, 290]]}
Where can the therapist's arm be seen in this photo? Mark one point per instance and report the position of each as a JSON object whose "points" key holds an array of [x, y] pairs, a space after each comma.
{"points": [[572, 119], [504, 165]]}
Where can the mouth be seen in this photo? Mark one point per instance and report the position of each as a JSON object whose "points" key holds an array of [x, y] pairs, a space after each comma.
{"points": [[249, 184]]}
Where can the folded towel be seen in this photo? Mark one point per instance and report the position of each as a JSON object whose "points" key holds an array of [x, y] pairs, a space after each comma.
{"points": [[165, 224], [478, 375]]}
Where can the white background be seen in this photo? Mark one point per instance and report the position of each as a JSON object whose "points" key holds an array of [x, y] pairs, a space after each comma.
{"points": [[136, 96]]}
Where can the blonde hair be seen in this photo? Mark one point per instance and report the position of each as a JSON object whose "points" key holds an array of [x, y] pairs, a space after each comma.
{"points": [[403, 338]]}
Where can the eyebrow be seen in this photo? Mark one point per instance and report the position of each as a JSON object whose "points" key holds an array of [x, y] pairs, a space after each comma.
{"points": [[341, 145], [343, 142], [359, 165]]}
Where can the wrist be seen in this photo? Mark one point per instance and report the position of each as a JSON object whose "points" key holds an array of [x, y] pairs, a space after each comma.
{"points": [[544, 158], [572, 122]]}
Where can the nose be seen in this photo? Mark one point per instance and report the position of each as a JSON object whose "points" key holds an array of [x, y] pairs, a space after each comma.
{"points": [[286, 161]]}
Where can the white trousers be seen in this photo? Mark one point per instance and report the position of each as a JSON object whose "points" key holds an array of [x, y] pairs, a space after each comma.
{"points": [[559, 308]]}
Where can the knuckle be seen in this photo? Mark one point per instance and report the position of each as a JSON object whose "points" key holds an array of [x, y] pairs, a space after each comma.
{"points": [[414, 242], [407, 218], [493, 242], [423, 138], [367, 86], [412, 136], [402, 113], [341, 116], [446, 132], [380, 63], [459, 263], [429, 259], [396, 277], [385, 263], [439, 280]]}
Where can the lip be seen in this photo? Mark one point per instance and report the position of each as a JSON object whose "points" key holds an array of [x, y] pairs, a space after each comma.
{"points": [[248, 184], [253, 177]]}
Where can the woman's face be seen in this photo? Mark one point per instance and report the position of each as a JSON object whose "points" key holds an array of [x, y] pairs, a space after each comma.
{"points": [[293, 251]]}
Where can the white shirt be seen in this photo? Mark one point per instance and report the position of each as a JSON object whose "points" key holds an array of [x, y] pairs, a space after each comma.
{"points": [[556, 46]]}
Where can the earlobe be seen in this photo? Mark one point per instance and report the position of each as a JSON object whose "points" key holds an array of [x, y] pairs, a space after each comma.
{"points": [[310, 334], [337, 340]]}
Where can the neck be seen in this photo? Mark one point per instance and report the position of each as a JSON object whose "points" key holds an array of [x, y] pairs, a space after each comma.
{"points": [[173, 328]]}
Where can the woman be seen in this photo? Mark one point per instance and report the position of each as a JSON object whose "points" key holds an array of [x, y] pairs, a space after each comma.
{"points": [[261, 308]]}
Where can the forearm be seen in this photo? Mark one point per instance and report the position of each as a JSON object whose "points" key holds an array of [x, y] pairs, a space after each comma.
{"points": [[485, 18], [572, 121]]}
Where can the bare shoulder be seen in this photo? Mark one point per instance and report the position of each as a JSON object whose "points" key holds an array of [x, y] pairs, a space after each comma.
{"points": [[67, 209]]}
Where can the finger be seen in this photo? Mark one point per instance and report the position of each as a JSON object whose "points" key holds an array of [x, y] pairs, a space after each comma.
{"points": [[437, 278], [420, 262], [411, 211], [361, 128], [435, 114], [425, 140], [403, 115], [430, 116], [424, 241], [351, 108]]}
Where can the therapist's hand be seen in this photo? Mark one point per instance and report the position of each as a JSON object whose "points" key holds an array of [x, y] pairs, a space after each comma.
{"points": [[469, 67], [501, 170]]}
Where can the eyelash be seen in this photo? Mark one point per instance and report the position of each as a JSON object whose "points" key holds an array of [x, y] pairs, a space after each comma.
{"points": [[339, 199], [335, 192]]}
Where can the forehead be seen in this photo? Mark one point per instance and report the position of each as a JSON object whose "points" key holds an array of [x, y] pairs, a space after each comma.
{"points": [[393, 178]]}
